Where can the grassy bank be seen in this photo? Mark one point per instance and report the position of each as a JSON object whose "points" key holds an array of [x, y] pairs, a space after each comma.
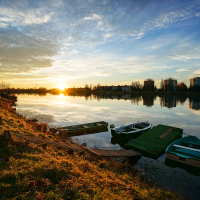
{"points": [[29, 171]]}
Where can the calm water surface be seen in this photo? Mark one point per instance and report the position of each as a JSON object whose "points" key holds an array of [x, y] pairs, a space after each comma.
{"points": [[178, 111]]}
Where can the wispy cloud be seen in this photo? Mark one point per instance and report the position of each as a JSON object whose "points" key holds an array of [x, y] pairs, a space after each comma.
{"points": [[183, 70], [88, 39]]}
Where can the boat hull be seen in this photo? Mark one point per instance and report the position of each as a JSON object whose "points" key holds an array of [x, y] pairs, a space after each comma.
{"points": [[182, 159], [185, 150], [83, 128], [127, 136]]}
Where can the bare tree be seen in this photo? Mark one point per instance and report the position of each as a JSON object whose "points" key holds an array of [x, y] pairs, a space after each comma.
{"points": [[4, 85], [136, 86]]}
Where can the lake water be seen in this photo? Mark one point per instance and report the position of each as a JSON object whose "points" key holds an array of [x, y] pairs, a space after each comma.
{"points": [[179, 111]]}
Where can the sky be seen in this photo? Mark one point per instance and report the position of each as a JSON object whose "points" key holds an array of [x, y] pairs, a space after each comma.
{"points": [[54, 43]]}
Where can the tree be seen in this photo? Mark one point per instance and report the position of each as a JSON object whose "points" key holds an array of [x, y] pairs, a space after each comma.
{"points": [[98, 86], [5, 86], [182, 87], [136, 86], [86, 86]]}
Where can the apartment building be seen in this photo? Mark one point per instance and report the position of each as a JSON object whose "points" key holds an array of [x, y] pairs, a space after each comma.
{"points": [[149, 84], [195, 81], [170, 85]]}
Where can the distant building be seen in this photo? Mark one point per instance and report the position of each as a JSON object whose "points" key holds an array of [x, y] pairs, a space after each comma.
{"points": [[170, 85], [195, 81], [149, 84], [113, 88], [126, 88]]}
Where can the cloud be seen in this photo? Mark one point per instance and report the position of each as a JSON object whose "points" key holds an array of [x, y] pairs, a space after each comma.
{"points": [[181, 114], [93, 17], [197, 14], [20, 53], [183, 70], [88, 39], [24, 17]]}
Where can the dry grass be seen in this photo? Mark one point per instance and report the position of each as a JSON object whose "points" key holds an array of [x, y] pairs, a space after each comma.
{"points": [[30, 172]]}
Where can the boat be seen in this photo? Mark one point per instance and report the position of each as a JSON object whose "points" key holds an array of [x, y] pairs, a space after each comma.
{"points": [[82, 128], [131, 131], [185, 150]]}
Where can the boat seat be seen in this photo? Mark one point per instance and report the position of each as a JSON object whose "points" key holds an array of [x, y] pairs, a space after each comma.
{"points": [[131, 129], [98, 124], [188, 148], [191, 144]]}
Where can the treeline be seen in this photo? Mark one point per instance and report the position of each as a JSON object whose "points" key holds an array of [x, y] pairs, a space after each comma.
{"points": [[28, 90]]}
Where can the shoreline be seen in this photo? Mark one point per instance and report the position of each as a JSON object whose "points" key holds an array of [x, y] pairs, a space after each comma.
{"points": [[76, 91], [30, 170]]}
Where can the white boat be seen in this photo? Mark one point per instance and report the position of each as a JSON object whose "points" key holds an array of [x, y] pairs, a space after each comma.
{"points": [[131, 130]]}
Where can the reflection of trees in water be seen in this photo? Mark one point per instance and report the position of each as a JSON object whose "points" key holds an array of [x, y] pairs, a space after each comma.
{"points": [[181, 99], [135, 99], [170, 101], [87, 97], [32, 94]]}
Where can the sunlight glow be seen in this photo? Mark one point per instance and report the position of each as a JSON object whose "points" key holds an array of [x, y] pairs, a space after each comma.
{"points": [[61, 87], [61, 96]]}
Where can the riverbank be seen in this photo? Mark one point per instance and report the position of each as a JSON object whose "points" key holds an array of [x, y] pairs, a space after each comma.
{"points": [[34, 172], [94, 92]]}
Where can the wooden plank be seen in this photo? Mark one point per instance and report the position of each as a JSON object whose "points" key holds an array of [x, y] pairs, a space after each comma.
{"points": [[114, 153], [166, 133], [42, 140]]}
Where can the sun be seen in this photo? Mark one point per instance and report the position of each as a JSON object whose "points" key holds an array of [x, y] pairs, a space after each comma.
{"points": [[61, 87]]}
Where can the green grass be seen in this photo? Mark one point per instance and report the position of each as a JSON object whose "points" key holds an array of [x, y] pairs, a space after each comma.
{"points": [[31, 172]]}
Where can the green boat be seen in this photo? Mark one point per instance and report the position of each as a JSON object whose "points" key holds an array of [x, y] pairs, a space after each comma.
{"points": [[82, 128], [185, 150]]}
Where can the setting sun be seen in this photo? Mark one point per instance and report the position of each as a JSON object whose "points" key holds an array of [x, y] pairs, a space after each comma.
{"points": [[61, 87]]}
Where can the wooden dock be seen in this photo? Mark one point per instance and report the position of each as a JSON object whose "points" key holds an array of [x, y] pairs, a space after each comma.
{"points": [[154, 142], [113, 153], [42, 140]]}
